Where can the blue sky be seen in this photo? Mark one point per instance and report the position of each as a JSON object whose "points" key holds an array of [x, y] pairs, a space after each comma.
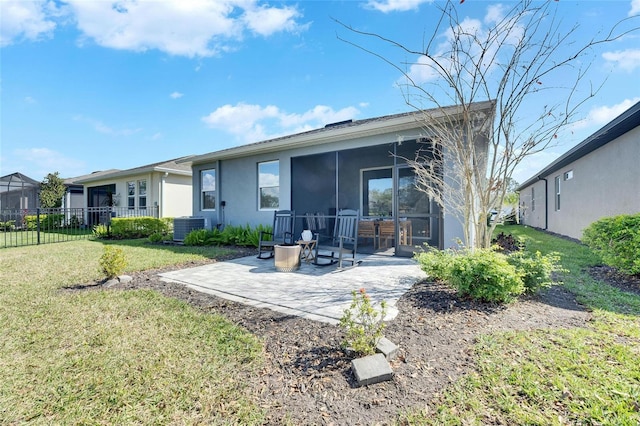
{"points": [[89, 85]]}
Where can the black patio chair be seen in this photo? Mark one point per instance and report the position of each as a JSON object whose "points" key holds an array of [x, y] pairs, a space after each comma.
{"points": [[281, 233], [342, 246]]}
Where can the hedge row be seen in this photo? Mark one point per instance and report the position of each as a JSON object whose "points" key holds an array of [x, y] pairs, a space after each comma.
{"points": [[617, 240]]}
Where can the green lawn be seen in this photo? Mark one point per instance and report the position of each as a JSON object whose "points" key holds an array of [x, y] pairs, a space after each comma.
{"points": [[551, 377], [114, 357]]}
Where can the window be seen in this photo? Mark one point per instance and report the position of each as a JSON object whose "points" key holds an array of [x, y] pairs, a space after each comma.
{"points": [[208, 188], [131, 195], [568, 175], [142, 194], [533, 199], [557, 192], [269, 185]]}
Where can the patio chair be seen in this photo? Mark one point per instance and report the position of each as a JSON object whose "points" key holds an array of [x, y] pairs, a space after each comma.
{"points": [[386, 232], [343, 244], [316, 223], [367, 229], [281, 233]]}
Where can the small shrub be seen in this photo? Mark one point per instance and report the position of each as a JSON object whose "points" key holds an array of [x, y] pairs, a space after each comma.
{"points": [[485, 275], [112, 261], [617, 241], [435, 263], [535, 270], [201, 237], [137, 227], [100, 231], [156, 237], [507, 243], [362, 323]]}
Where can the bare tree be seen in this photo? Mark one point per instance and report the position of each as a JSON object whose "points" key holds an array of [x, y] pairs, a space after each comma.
{"points": [[527, 63]]}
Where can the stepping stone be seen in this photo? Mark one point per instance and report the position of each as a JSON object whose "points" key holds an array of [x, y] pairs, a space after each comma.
{"points": [[125, 278], [387, 348], [371, 369]]}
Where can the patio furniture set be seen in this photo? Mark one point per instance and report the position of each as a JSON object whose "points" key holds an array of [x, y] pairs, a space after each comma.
{"points": [[314, 246]]}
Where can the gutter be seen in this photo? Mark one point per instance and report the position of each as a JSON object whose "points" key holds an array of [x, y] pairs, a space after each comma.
{"points": [[546, 202]]}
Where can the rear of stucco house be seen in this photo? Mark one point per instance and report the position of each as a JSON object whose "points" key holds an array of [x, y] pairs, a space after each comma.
{"points": [[340, 166], [597, 178]]}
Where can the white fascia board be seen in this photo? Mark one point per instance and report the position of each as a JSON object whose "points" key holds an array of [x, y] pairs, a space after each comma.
{"points": [[136, 172]]}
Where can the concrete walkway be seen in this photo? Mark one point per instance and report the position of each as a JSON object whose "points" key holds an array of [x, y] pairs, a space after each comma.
{"points": [[313, 292]]}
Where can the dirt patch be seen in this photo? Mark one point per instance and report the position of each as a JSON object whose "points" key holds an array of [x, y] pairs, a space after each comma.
{"points": [[307, 378], [628, 283]]}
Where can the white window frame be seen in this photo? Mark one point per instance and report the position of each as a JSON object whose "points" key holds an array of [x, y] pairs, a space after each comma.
{"points": [[207, 189], [263, 183], [131, 195], [141, 195]]}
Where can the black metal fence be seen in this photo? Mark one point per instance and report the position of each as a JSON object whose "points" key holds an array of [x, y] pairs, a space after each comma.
{"points": [[25, 227]]}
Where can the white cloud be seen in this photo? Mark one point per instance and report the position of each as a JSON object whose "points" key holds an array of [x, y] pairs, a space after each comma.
{"points": [[101, 127], [635, 8], [626, 60], [532, 164], [176, 95], [387, 6], [265, 20], [30, 100], [252, 123], [196, 28], [599, 116], [25, 20], [38, 162]]}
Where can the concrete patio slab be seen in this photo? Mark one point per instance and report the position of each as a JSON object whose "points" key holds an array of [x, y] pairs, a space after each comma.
{"points": [[314, 292]]}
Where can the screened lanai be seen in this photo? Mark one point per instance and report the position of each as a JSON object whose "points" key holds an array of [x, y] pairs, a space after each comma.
{"points": [[18, 191], [376, 180]]}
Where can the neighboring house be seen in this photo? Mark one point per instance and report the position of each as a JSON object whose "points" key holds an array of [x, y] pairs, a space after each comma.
{"points": [[18, 192], [599, 177], [352, 164], [161, 189]]}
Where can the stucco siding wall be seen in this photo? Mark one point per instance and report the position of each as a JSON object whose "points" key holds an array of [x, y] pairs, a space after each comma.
{"points": [[533, 205], [605, 182], [238, 180], [176, 196]]}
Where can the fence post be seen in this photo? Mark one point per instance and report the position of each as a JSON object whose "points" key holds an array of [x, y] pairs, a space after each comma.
{"points": [[38, 224]]}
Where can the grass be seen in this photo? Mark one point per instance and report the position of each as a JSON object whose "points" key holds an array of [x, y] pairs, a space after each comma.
{"points": [[115, 357], [17, 238], [111, 357], [551, 377]]}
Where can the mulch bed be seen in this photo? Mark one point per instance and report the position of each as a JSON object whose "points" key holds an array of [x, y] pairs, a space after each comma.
{"points": [[307, 378]]}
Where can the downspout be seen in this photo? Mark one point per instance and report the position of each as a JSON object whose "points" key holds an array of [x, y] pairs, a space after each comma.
{"points": [[161, 195], [546, 202]]}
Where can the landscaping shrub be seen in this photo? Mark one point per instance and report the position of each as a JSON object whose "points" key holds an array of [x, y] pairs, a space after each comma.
{"points": [[112, 261], [535, 269], [617, 241], [230, 235], [137, 227], [157, 237], [9, 225], [435, 263], [485, 275], [362, 323], [507, 243], [101, 231]]}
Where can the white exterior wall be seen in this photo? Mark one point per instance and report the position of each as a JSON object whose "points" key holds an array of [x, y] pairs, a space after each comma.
{"points": [[175, 196], [172, 193], [606, 182]]}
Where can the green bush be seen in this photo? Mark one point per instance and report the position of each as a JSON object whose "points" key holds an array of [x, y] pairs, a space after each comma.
{"points": [[137, 227], [363, 324], [156, 237], [9, 225], [101, 231], [617, 241], [535, 270], [112, 261], [485, 275], [435, 263], [230, 235]]}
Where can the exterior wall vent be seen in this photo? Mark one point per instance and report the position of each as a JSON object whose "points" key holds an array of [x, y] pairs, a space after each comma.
{"points": [[338, 123]]}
